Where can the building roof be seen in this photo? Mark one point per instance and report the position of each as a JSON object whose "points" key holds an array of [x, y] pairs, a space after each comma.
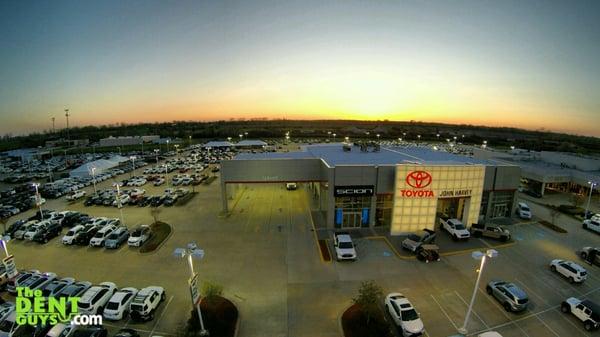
{"points": [[333, 154], [218, 144], [251, 142]]}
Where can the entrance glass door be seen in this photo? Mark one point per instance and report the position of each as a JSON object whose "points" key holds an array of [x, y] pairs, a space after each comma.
{"points": [[351, 220], [499, 211]]}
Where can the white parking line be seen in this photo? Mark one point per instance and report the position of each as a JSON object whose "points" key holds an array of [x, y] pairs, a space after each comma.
{"points": [[497, 305], [161, 315], [573, 324], [474, 312], [522, 284], [444, 312], [547, 326]]}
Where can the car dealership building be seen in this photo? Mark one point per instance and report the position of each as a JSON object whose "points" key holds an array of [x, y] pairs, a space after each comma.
{"points": [[405, 188]]}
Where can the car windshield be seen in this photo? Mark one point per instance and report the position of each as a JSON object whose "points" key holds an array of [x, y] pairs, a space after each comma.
{"points": [[98, 235], [459, 226], [414, 237], [71, 233], [112, 305], [136, 233], [525, 208], [409, 315], [346, 245], [6, 325]]}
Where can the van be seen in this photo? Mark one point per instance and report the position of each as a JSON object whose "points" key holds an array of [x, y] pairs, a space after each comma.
{"points": [[523, 211], [98, 238]]}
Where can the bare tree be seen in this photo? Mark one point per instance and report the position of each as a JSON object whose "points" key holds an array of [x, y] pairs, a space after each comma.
{"points": [[155, 212], [554, 214]]}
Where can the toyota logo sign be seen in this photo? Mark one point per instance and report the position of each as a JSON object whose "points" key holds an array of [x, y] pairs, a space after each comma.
{"points": [[418, 179]]}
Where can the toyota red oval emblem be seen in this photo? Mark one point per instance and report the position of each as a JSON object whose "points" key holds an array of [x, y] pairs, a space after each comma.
{"points": [[418, 179]]}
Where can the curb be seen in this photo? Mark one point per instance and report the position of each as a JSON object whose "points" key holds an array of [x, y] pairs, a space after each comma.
{"points": [[161, 244]]}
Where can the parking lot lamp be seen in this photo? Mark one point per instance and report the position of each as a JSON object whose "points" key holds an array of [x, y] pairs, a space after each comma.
{"points": [[167, 174], [133, 163], [38, 200], [592, 184], [119, 205], [177, 150], [333, 134], [477, 255], [156, 151], [193, 252], [419, 137], [93, 169], [167, 145], [229, 139]]}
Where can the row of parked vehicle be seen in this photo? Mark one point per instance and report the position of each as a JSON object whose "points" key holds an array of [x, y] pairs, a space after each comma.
{"points": [[135, 197], [83, 230], [104, 299]]}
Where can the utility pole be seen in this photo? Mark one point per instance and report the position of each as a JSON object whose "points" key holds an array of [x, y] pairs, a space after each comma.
{"points": [[67, 115], [53, 128]]}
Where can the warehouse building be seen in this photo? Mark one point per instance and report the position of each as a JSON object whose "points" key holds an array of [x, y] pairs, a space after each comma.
{"points": [[403, 188]]}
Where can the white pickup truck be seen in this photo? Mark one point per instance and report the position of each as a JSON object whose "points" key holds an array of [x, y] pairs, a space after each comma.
{"points": [[593, 223], [76, 195], [455, 228], [344, 248]]}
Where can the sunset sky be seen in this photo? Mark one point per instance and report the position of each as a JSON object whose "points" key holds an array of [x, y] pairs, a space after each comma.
{"points": [[530, 64]]}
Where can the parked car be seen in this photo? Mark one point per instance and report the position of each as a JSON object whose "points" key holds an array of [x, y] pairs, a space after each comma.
{"points": [[23, 276], [34, 229], [83, 237], [90, 331], [51, 230], [117, 307], [455, 228], [591, 255], [490, 231], [126, 332], [415, 240], [92, 302], [38, 281], [62, 330], [71, 234], [98, 239], [509, 295], [56, 286], [533, 193], [585, 310], [74, 289], [20, 232], [291, 186], [344, 247], [76, 195], [116, 238], [145, 303], [592, 224], [523, 211], [139, 236], [159, 181], [404, 315], [569, 269]]}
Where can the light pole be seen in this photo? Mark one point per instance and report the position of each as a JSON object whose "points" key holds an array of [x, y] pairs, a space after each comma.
{"points": [[587, 207], [399, 139], [229, 139], [419, 137], [347, 139], [477, 255], [93, 169], [156, 151], [38, 200], [333, 134], [193, 252], [176, 150], [119, 205], [133, 163], [167, 175], [378, 135], [167, 146]]}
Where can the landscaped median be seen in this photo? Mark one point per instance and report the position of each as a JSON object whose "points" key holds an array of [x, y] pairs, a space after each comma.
{"points": [[365, 318], [160, 232]]}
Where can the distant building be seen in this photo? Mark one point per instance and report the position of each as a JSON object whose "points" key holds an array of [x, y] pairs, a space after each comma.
{"points": [[27, 154], [218, 144], [100, 166], [64, 142], [127, 140], [251, 144]]}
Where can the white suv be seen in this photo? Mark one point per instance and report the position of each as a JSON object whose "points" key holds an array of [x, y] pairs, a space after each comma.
{"points": [[344, 248], [523, 211], [145, 303], [570, 270], [593, 223], [586, 311], [70, 236], [101, 235], [95, 298], [118, 305], [404, 314]]}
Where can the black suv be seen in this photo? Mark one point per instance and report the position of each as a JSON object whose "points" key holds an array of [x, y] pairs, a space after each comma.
{"points": [[51, 230], [85, 235]]}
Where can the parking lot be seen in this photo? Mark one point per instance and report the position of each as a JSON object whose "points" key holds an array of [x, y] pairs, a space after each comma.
{"points": [[264, 254]]}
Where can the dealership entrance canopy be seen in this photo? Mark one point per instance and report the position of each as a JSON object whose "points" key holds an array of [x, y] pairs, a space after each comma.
{"points": [[403, 188]]}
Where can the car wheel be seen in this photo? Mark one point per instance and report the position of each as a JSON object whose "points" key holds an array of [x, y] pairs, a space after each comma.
{"points": [[454, 237], [583, 255], [584, 226], [553, 268], [571, 279], [588, 326], [151, 317], [506, 306], [565, 308], [163, 297], [488, 289]]}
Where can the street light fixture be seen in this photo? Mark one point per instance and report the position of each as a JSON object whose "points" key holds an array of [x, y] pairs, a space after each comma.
{"points": [[347, 139], [477, 255], [592, 184], [133, 163], [193, 252], [38, 200], [333, 134], [93, 170], [119, 205]]}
